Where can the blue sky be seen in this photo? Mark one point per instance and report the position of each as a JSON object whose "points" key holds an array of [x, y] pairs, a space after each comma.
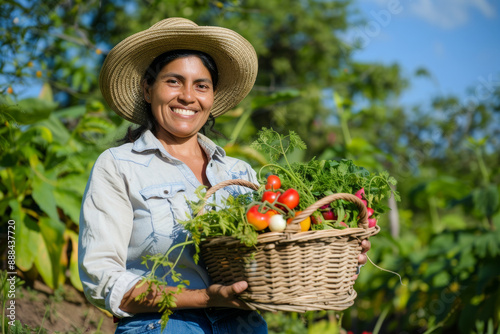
{"points": [[457, 41]]}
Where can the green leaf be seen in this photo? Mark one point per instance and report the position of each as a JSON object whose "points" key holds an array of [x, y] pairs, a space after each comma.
{"points": [[282, 96], [76, 79], [486, 200], [74, 182], [43, 194], [95, 106], [48, 259], [31, 110], [45, 134], [277, 145], [69, 202], [71, 112], [44, 264], [95, 124], [59, 132], [27, 237], [442, 279], [446, 186]]}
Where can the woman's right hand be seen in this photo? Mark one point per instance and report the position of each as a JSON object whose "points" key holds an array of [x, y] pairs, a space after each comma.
{"points": [[226, 295]]}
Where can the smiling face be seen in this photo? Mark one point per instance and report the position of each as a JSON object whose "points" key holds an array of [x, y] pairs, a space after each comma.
{"points": [[181, 98]]}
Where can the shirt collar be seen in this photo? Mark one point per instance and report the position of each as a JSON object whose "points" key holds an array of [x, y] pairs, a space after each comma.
{"points": [[211, 149], [148, 142]]}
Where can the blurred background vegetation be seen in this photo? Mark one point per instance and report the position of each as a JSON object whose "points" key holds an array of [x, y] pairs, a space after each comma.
{"points": [[443, 238]]}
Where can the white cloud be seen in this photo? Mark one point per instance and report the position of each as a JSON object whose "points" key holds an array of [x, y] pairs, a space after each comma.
{"points": [[450, 14], [447, 14]]}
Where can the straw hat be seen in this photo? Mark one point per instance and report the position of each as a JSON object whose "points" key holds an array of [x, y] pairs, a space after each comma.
{"points": [[124, 67]]}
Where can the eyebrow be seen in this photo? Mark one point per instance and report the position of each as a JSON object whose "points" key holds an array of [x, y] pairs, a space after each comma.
{"points": [[182, 78]]}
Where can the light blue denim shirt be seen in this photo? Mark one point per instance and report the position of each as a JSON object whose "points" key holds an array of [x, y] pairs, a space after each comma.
{"points": [[135, 195]]}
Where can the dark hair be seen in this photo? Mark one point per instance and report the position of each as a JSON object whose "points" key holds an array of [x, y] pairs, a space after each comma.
{"points": [[150, 77]]}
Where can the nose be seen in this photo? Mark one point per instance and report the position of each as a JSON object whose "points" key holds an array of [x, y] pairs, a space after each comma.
{"points": [[187, 94]]}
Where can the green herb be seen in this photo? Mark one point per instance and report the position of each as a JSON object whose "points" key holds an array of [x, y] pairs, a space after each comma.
{"points": [[226, 220], [167, 300], [319, 178]]}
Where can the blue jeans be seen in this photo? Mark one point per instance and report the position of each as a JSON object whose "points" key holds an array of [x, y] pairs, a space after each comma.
{"points": [[202, 321]]}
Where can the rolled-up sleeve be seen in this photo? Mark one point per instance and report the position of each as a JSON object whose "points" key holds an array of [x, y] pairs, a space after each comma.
{"points": [[106, 222]]}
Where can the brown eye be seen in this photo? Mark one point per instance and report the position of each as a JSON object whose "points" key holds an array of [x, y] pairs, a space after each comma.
{"points": [[204, 87]]}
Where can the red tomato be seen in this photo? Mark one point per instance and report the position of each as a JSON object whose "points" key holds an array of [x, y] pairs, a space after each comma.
{"points": [[270, 196], [258, 219], [290, 198], [273, 182]]}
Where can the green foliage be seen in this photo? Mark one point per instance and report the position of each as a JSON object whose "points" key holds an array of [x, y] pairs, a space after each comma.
{"points": [[222, 221], [442, 152], [480, 328], [277, 145], [43, 175]]}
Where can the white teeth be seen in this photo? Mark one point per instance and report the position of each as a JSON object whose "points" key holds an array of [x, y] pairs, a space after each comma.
{"points": [[183, 111]]}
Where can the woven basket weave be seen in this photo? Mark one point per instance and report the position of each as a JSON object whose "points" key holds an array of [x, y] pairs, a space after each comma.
{"points": [[291, 271]]}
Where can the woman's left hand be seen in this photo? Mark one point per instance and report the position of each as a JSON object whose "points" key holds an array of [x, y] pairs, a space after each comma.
{"points": [[365, 247], [226, 295]]}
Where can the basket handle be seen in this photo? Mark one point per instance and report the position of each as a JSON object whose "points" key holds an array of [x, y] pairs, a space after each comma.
{"points": [[223, 184], [363, 214]]}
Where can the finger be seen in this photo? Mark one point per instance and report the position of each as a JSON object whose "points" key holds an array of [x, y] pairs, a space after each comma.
{"points": [[239, 287], [354, 277], [362, 259], [365, 246]]}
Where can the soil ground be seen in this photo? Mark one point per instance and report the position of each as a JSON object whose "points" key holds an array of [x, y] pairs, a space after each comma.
{"points": [[65, 310]]}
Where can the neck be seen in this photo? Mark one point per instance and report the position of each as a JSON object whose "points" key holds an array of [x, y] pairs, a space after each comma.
{"points": [[177, 147]]}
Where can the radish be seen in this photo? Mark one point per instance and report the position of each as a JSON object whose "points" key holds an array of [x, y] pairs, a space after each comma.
{"points": [[329, 215], [360, 193], [372, 222], [370, 212]]}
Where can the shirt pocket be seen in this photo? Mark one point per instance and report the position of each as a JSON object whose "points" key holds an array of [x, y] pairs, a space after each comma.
{"points": [[165, 202]]}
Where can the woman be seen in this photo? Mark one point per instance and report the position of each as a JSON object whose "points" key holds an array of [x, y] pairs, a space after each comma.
{"points": [[171, 79], [138, 191]]}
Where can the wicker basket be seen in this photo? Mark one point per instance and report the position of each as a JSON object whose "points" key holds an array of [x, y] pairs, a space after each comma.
{"points": [[291, 271]]}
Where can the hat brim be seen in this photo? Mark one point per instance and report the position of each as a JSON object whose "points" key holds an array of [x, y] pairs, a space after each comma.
{"points": [[124, 67]]}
